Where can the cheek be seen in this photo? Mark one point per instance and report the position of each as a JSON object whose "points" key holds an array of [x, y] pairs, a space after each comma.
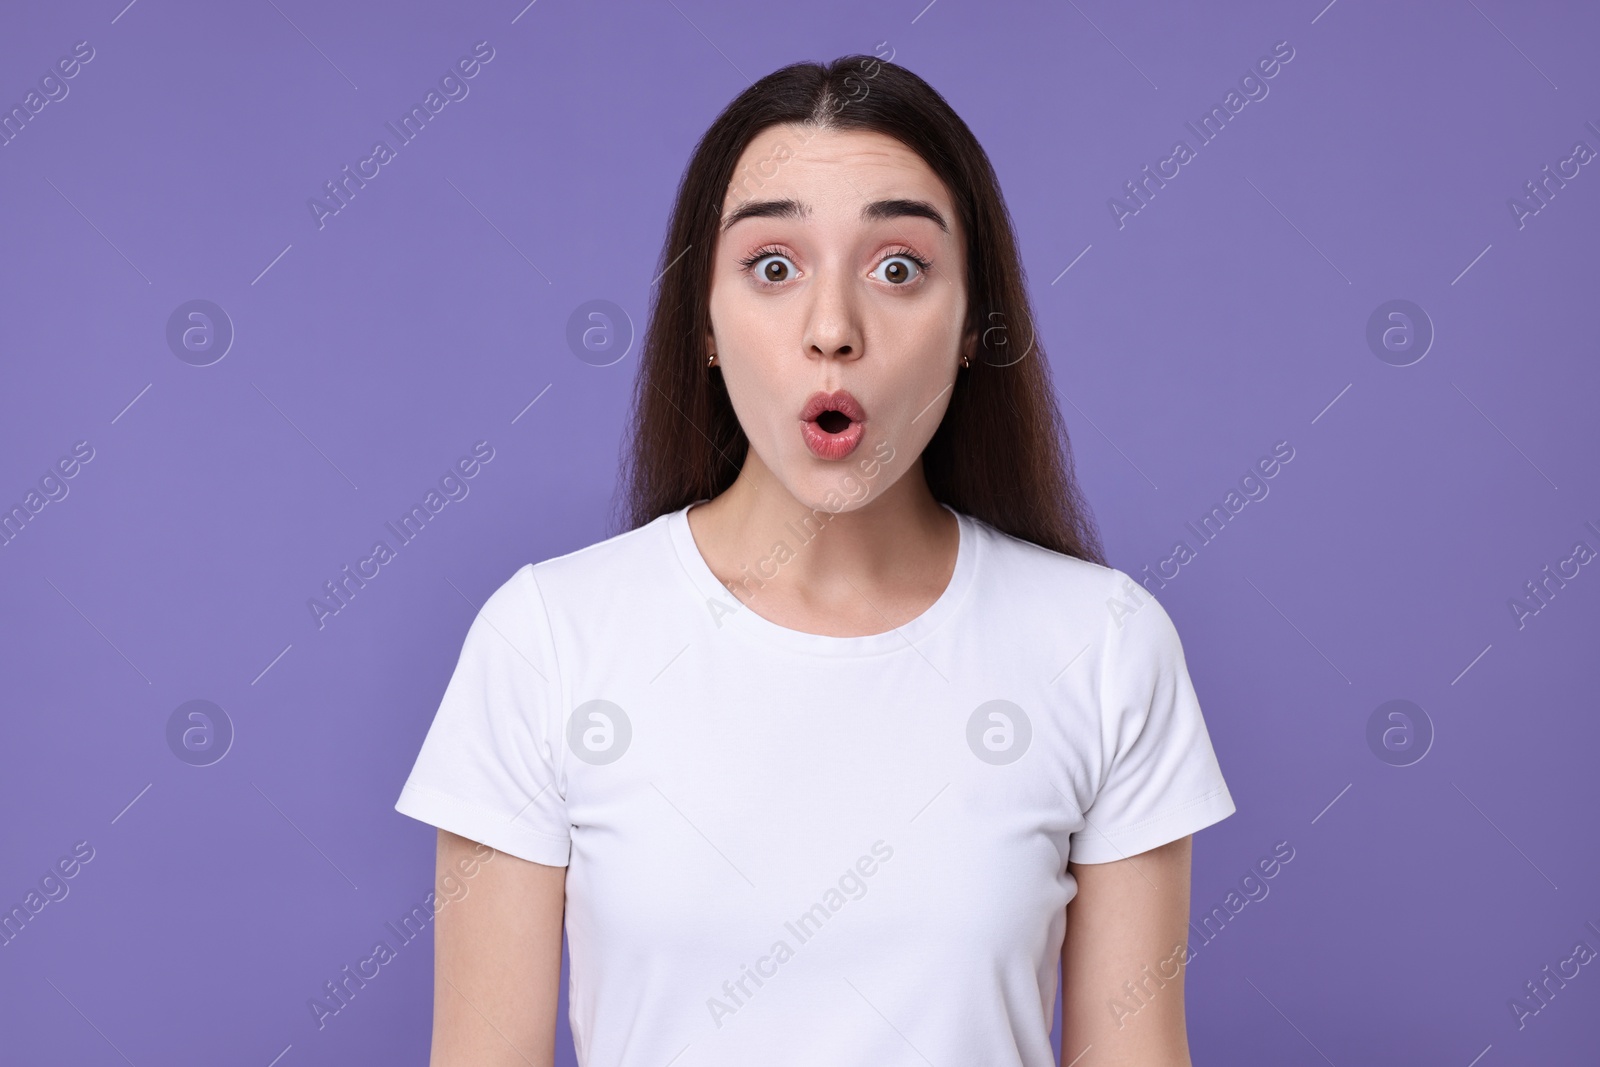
{"points": [[920, 400], [759, 396], [745, 327], [766, 378]]}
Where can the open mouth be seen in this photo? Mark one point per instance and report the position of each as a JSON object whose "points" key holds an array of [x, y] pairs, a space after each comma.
{"points": [[833, 421], [832, 424]]}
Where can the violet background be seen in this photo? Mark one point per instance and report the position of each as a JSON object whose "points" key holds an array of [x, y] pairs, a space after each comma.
{"points": [[1229, 314]]}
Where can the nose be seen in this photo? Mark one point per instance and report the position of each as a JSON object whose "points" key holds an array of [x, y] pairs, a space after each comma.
{"points": [[833, 322]]}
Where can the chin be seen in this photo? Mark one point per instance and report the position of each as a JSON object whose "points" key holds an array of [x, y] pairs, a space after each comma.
{"points": [[837, 490], [832, 492]]}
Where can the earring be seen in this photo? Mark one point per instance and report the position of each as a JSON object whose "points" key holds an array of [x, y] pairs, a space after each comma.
{"points": [[711, 360], [965, 363]]}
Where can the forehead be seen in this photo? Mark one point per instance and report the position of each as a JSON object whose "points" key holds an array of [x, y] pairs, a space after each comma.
{"points": [[831, 171]]}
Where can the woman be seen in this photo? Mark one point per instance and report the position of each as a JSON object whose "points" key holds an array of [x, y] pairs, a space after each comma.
{"points": [[852, 735]]}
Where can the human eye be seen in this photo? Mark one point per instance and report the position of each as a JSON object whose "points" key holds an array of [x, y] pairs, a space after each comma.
{"points": [[901, 276], [781, 266]]}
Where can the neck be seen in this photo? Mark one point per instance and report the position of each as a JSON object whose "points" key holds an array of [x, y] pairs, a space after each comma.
{"points": [[898, 536]]}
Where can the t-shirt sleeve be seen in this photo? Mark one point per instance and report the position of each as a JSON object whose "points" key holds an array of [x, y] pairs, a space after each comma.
{"points": [[1160, 778], [490, 765]]}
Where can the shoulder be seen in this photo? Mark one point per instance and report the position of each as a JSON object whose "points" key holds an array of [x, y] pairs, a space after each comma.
{"points": [[596, 590], [1105, 605], [596, 581], [1036, 573], [630, 554]]}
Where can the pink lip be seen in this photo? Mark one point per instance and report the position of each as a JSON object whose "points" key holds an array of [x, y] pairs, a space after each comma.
{"points": [[840, 400], [825, 445]]}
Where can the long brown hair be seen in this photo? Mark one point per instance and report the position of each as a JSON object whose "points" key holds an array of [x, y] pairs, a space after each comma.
{"points": [[1001, 453]]}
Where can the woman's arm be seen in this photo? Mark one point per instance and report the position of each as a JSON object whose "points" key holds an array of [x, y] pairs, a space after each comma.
{"points": [[496, 960], [1122, 961]]}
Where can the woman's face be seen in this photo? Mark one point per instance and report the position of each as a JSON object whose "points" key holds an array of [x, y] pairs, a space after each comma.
{"points": [[833, 271]]}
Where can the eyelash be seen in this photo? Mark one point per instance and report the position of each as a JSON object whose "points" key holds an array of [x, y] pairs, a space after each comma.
{"points": [[746, 264]]}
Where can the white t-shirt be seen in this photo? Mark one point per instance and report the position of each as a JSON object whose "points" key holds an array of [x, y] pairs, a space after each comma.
{"points": [[790, 848]]}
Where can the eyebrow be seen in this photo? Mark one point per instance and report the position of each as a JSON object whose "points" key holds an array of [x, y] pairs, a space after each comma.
{"points": [[876, 211]]}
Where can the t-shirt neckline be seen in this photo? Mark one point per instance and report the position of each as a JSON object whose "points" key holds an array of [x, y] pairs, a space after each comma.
{"points": [[734, 612]]}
